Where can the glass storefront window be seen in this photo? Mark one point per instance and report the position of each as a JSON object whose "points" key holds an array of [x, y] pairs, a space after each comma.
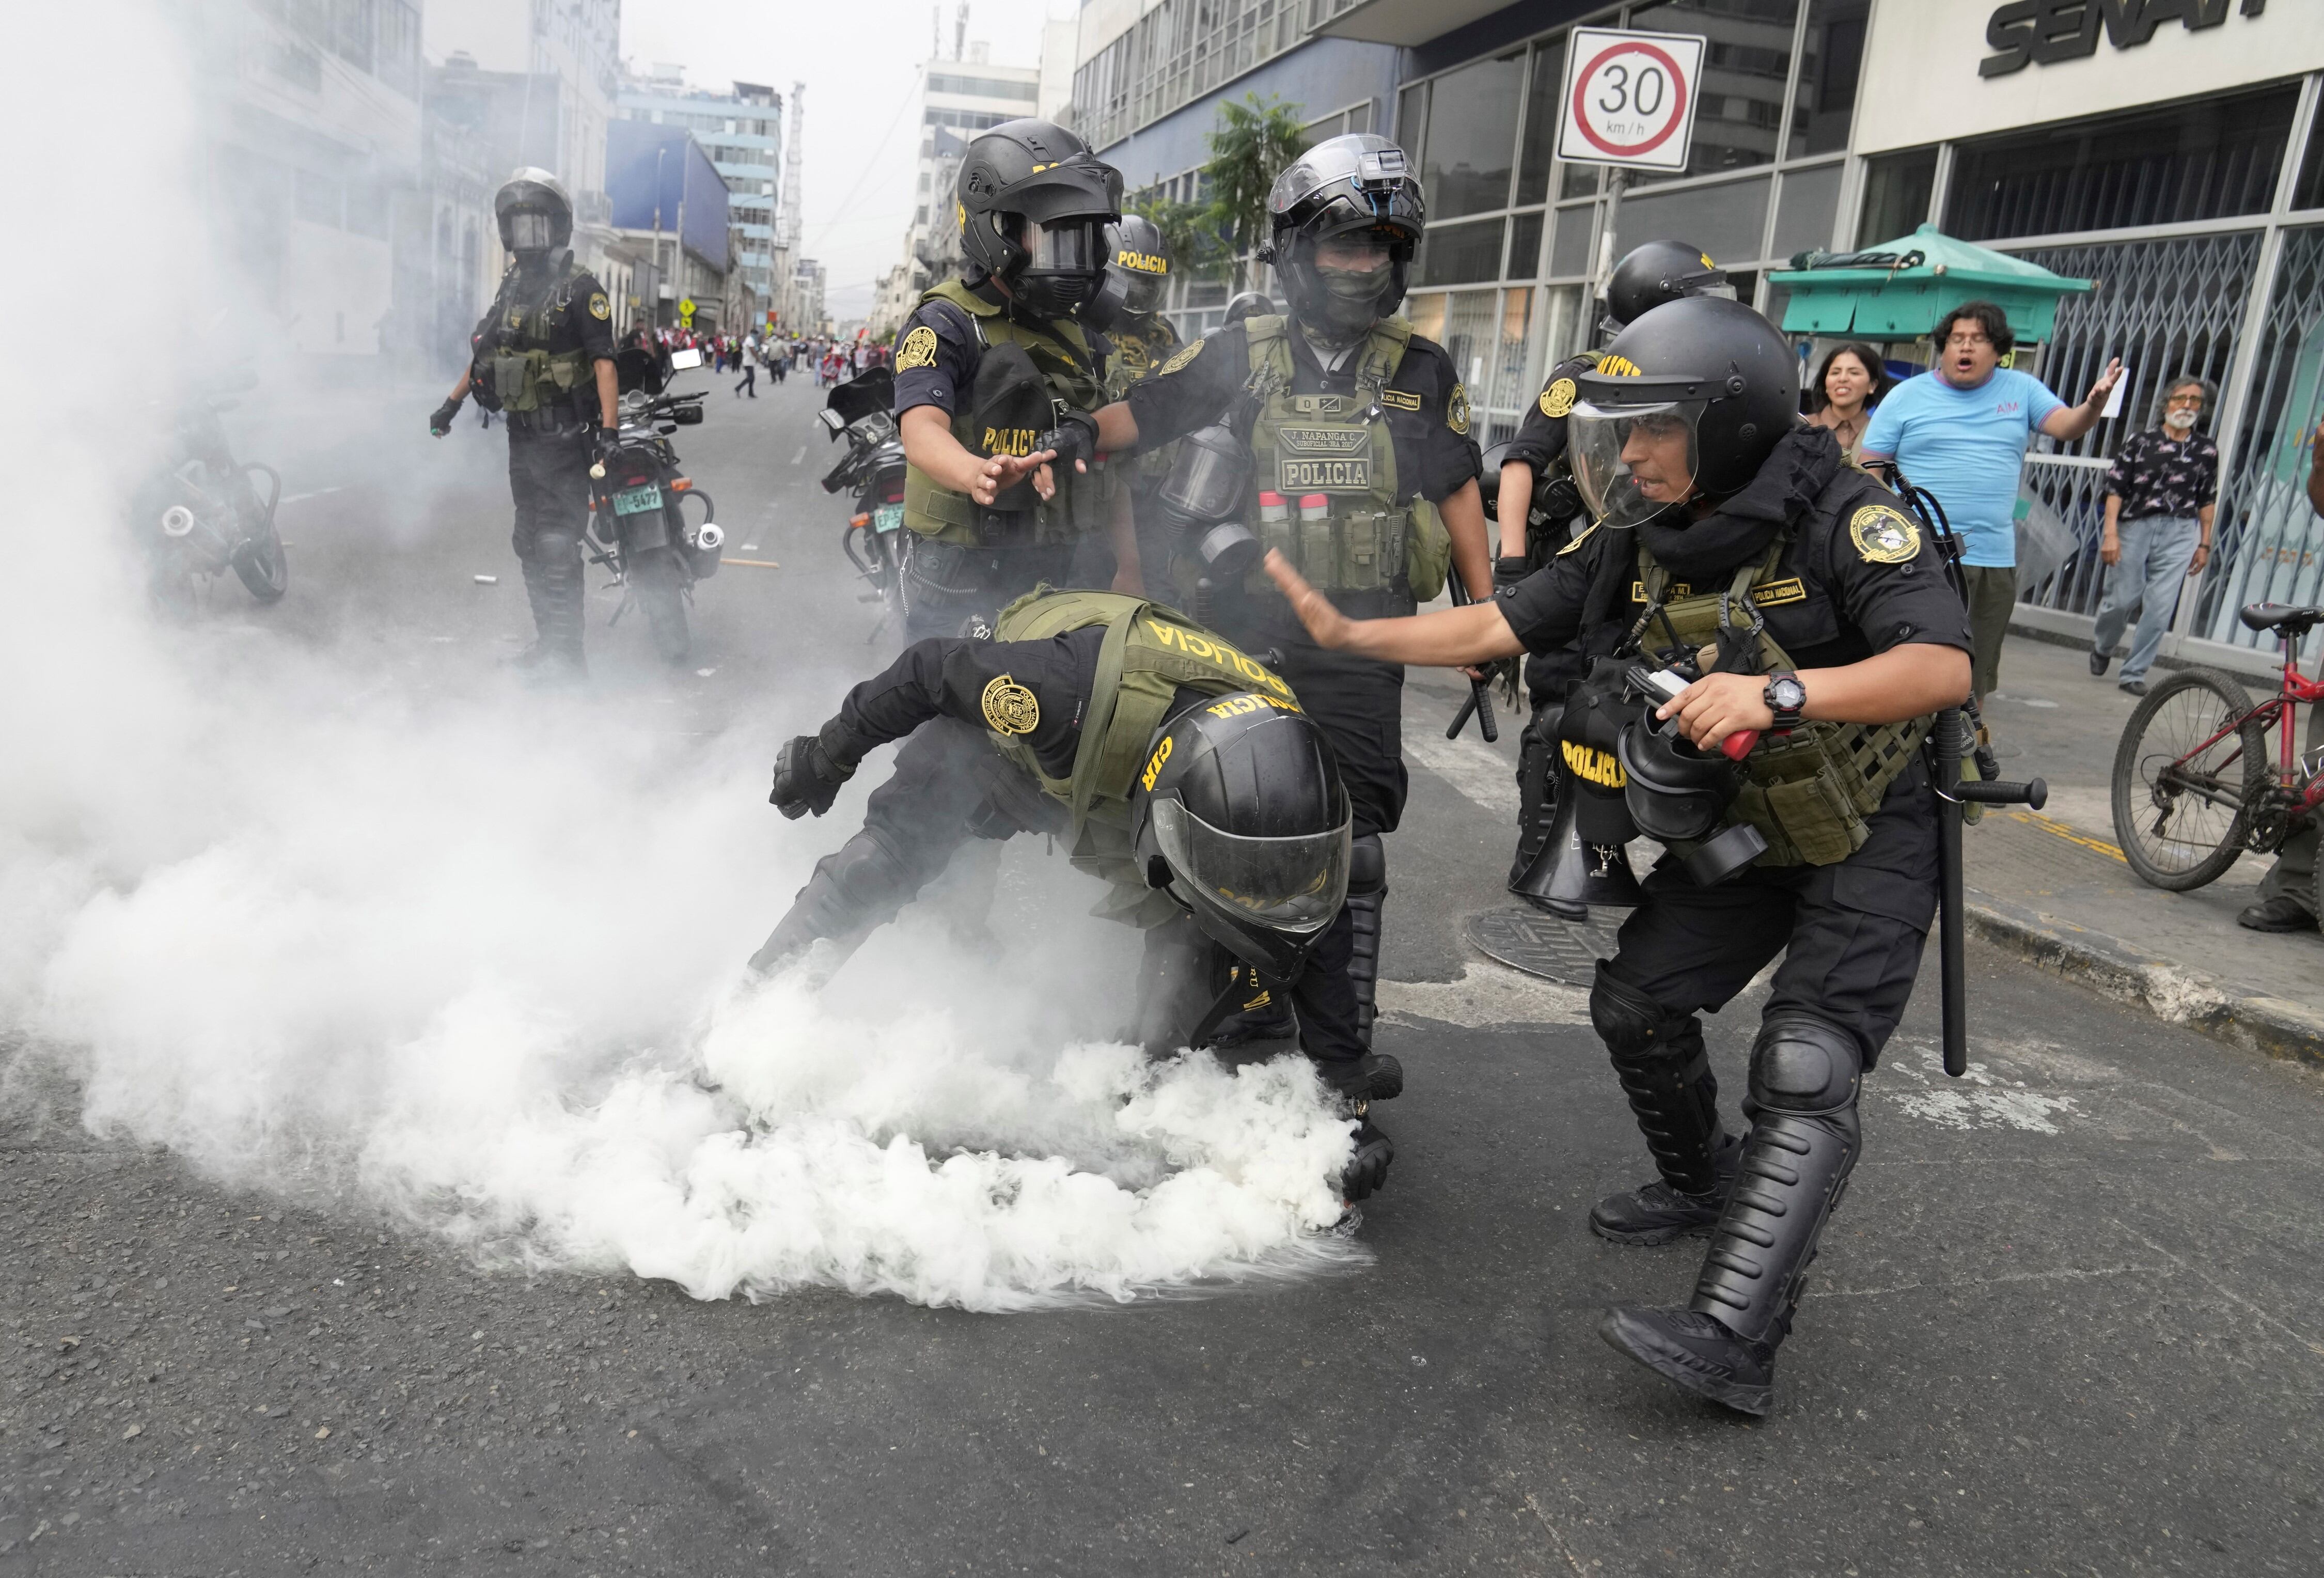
{"points": [[1831, 60], [1897, 187], [1739, 116], [1411, 118], [1525, 247], [1509, 389], [1569, 248], [1471, 141], [1541, 122], [1580, 180], [2205, 160], [1804, 213], [2308, 191], [1458, 255], [1726, 221]]}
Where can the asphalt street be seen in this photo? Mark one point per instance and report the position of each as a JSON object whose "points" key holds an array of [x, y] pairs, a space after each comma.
{"points": [[2065, 1322]]}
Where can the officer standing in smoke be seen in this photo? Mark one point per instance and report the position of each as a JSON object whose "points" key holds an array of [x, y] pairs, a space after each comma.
{"points": [[1365, 475], [544, 358], [984, 366], [1737, 560], [1169, 763], [1537, 490]]}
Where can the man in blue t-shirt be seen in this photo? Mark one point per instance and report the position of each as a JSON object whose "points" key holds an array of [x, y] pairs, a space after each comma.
{"points": [[1959, 431]]}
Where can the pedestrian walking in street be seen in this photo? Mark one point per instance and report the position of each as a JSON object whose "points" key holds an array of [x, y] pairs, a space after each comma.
{"points": [[1959, 431], [749, 383], [2287, 893], [1851, 381], [2161, 491]]}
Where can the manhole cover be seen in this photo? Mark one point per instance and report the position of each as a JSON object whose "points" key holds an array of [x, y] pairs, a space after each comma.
{"points": [[1542, 944]]}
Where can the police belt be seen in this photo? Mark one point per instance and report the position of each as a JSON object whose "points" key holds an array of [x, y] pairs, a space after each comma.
{"points": [[561, 419], [1005, 527]]}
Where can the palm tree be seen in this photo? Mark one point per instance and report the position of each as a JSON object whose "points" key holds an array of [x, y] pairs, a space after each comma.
{"points": [[1250, 147]]}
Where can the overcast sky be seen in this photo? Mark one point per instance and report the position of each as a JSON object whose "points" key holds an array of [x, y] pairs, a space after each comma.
{"points": [[856, 58]]}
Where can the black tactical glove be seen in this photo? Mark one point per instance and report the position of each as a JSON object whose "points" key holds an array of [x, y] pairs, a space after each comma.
{"points": [[809, 770], [441, 422], [1074, 437], [1508, 571]]}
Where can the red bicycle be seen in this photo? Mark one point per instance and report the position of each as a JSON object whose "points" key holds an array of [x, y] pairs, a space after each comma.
{"points": [[2193, 785]]}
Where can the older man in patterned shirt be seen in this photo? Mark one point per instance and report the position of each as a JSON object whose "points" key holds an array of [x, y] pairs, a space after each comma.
{"points": [[2159, 494]]}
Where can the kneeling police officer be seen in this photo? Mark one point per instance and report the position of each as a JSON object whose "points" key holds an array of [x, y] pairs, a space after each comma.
{"points": [[1175, 766], [1737, 560], [986, 365], [543, 357]]}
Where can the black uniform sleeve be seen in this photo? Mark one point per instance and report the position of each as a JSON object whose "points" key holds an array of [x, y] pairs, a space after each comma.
{"points": [[936, 358], [1545, 610], [592, 311], [1441, 435], [1191, 389], [954, 676], [1890, 579], [1541, 437]]}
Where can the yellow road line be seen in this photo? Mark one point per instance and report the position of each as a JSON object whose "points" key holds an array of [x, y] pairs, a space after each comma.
{"points": [[2073, 835], [756, 564]]}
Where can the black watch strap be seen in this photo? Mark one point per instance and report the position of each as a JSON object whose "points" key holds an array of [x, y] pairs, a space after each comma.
{"points": [[1786, 717]]}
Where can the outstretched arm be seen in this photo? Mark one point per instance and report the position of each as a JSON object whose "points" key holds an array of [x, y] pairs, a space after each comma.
{"points": [[1448, 637]]}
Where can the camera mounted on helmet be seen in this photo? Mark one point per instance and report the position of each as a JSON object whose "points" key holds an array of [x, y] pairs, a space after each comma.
{"points": [[1687, 403], [1034, 204], [1238, 811], [1346, 217]]}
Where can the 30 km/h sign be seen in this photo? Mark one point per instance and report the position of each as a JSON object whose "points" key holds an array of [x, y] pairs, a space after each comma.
{"points": [[1629, 98]]}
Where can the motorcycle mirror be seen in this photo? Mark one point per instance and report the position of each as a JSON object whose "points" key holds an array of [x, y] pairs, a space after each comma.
{"points": [[685, 416], [685, 359], [833, 423]]}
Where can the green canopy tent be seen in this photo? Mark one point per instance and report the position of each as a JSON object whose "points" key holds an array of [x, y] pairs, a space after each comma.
{"points": [[1898, 290]]}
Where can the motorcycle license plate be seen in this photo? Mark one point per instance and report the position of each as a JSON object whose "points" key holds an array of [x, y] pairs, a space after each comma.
{"points": [[637, 501], [887, 517]]}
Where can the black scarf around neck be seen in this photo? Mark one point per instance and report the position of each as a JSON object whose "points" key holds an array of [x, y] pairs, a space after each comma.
{"points": [[1804, 461]]}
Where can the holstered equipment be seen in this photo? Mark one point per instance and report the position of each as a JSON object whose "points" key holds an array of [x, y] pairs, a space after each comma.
{"points": [[526, 378], [1666, 1072]]}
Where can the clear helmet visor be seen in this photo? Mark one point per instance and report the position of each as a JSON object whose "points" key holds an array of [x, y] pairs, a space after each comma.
{"points": [[1142, 293], [1633, 462], [1294, 885], [529, 230]]}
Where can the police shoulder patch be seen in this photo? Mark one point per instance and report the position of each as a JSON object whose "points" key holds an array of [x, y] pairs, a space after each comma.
{"points": [[1183, 355], [918, 349], [1558, 398], [599, 307], [1009, 707], [1456, 410], [1884, 536]]}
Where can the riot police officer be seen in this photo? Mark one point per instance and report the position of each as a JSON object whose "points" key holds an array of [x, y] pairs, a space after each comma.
{"points": [[544, 358], [1366, 474], [1536, 500], [983, 366], [1169, 763], [1128, 311], [1732, 541]]}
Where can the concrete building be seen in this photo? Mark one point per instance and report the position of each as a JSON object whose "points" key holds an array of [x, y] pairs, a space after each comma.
{"points": [[806, 298], [743, 134], [673, 220]]}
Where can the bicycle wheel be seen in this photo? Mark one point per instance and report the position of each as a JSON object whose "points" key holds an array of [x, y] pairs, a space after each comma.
{"points": [[2180, 813]]}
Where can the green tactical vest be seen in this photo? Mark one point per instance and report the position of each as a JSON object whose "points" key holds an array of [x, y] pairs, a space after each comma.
{"points": [[1060, 353], [1150, 652], [1140, 349], [526, 374], [1368, 537], [1809, 792]]}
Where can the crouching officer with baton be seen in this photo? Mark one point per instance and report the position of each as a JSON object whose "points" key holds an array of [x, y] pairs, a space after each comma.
{"points": [[1797, 635], [1172, 765]]}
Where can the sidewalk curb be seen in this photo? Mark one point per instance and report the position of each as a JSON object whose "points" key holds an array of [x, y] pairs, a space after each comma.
{"points": [[2268, 1025]]}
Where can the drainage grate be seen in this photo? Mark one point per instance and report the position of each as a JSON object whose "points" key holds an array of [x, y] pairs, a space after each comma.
{"points": [[1542, 944]]}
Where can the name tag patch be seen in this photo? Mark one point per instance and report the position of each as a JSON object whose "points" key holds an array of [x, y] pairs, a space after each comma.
{"points": [[1402, 399], [1322, 441]]}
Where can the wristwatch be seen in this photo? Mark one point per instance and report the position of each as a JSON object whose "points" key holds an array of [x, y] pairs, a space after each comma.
{"points": [[1785, 696]]}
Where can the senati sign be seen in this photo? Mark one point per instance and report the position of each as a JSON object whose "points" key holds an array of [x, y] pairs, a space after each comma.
{"points": [[1629, 98]]}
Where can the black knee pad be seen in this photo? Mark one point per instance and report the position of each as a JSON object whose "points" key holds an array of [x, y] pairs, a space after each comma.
{"points": [[867, 870], [1804, 1065], [1367, 865], [1625, 1018]]}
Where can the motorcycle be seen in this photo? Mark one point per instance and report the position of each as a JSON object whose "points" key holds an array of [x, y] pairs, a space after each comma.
{"points": [[202, 513], [861, 410], [637, 515]]}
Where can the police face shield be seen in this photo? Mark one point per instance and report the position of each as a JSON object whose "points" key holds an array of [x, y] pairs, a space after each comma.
{"points": [[1141, 293], [1633, 462], [527, 230], [1064, 262], [1274, 895]]}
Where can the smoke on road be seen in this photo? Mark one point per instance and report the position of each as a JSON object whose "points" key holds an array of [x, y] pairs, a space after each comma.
{"points": [[474, 962]]}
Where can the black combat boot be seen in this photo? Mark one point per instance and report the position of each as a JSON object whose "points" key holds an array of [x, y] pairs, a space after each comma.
{"points": [[1655, 1213], [1803, 1141], [1666, 1072]]}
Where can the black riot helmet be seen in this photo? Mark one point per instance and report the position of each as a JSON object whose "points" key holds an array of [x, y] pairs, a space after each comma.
{"points": [[1238, 810], [535, 215], [1671, 790], [1248, 304], [1034, 205], [1355, 197], [1686, 403], [1655, 273], [1137, 256]]}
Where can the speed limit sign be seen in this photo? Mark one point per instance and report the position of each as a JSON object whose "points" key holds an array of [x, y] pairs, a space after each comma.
{"points": [[1629, 98]]}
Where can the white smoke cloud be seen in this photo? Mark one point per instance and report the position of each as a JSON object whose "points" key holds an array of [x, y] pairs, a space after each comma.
{"points": [[469, 958]]}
